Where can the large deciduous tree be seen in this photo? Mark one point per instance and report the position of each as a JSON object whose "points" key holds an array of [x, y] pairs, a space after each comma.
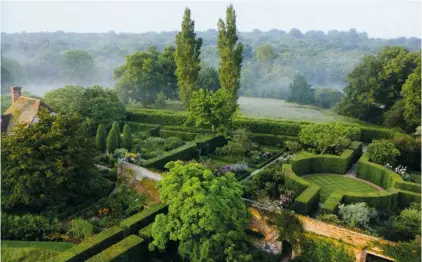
{"points": [[187, 58], [231, 54], [99, 105], [207, 216], [412, 97], [209, 109], [77, 66], [208, 79], [48, 164], [301, 92]]}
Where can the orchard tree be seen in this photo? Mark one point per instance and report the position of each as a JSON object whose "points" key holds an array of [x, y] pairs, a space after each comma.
{"points": [[127, 137], [112, 141], [231, 54], [77, 65], [301, 92], [187, 58], [199, 204], [47, 164], [101, 138], [210, 109]]}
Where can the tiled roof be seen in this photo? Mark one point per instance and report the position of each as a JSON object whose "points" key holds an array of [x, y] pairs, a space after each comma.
{"points": [[22, 111]]}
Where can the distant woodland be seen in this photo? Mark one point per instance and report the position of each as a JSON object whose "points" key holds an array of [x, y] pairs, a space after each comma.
{"points": [[271, 59]]}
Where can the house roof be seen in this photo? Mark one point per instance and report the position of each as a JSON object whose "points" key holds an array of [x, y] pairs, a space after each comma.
{"points": [[22, 111]]}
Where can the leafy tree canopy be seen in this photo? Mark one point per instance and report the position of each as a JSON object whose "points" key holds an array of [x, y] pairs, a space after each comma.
{"points": [[207, 216], [301, 92]]}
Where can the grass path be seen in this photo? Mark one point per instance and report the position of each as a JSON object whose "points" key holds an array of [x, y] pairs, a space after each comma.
{"points": [[332, 182]]}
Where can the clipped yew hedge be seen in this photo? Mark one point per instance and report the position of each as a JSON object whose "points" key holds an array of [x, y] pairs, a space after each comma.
{"points": [[271, 140], [187, 151], [91, 246], [404, 198], [146, 233], [408, 186], [375, 173], [185, 136], [264, 126], [331, 204], [133, 224], [308, 201], [128, 249], [381, 200], [292, 181]]}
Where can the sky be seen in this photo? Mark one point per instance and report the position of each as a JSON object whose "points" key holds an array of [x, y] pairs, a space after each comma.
{"points": [[379, 18]]}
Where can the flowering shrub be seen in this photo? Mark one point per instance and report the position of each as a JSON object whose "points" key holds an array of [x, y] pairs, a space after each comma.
{"points": [[401, 170], [287, 197]]}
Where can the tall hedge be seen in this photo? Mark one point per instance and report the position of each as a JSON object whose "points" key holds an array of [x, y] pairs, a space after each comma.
{"points": [[128, 249], [127, 137], [116, 127], [112, 141], [308, 201], [100, 138]]}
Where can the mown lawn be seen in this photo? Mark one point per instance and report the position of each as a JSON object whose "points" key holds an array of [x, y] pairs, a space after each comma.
{"points": [[330, 183], [31, 251]]}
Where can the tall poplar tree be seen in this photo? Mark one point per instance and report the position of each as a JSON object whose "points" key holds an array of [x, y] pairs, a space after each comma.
{"points": [[187, 58], [231, 53]]}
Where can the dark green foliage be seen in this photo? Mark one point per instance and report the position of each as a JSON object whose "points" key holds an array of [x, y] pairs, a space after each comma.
{"points": [[408, 223], [331, 204], [405, 198], [133, 224], [90, 247], [267, 180], [386, 200], [127, 249], [308, 201], [410, 151], [271, 140], [394, 116], [327, 97], [145, 232], [185, 152], [112, 141], [383, 152], [301, 92], [27, 227], [289, 227], [208, 79], [408, 186], [48, 165], [127, 137], [320, 249], [100, 138]]}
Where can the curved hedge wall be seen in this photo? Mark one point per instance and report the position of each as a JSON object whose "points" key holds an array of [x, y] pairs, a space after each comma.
{"points": [[375, 173]]}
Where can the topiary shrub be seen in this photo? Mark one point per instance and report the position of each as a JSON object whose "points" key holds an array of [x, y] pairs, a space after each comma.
{"points": [[80, 228], [127, 137], [100, 138], [116, 127], [112, 141], [383, 152]]}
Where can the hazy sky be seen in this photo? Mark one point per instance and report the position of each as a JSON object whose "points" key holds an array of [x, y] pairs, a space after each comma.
{"points": [[379, 18]]}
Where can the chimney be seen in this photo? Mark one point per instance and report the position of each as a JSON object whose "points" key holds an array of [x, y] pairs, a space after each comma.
{"points": [[16, 93]]}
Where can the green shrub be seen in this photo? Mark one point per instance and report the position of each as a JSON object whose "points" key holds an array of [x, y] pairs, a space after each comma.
{"points": [[100, 138], [185, 152], [383, 152], [80, 228], [172, 142], [358, 214], [271, 140], [112, 140], [308, 201], [409, 151], [116, 127], [126, 250], [133, 224], [159, 117], [330, 205], [27, 226], [408, 223], [208, 143], [292, 146], [329, 138], [91, 246], [403, 251], [160, 100], [127, 137], [268, 126]]}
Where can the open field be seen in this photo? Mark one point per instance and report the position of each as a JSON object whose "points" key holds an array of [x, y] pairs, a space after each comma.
{"points": [[273, 108], [330, 183]]}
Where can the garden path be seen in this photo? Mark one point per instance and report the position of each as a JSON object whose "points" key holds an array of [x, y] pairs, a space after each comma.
{"points": [[141, 172]]}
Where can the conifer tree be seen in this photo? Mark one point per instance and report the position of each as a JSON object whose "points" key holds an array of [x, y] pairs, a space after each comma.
{"points": [[187, 58], [112, 141], [127, 137], [116, 127], [101, 138], [231, 54]]}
